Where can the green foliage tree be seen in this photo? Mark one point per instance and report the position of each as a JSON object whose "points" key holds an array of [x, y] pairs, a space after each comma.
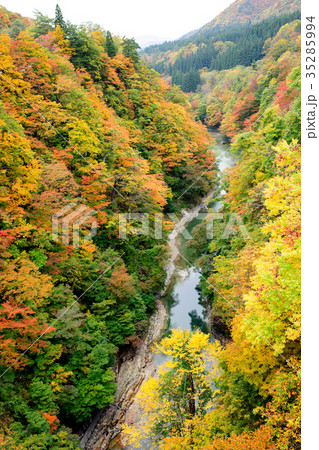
{"points": [[58, 19], [86, 53], [42, 24], [16, 28], [109, 45], [129, 48]]}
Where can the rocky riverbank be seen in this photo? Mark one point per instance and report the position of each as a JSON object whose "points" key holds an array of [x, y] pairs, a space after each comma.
{"points": [[135, 367]]}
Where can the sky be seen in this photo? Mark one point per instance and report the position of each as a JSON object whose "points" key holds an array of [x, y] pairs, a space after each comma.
{"points": [[166, 19]]}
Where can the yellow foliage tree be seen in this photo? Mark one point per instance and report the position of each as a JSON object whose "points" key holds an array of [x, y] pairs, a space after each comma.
{"points": [[182, 393]]}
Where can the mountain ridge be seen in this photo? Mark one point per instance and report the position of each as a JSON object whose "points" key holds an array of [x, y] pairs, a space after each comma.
{"points": [[241, 12], [244, 12]]}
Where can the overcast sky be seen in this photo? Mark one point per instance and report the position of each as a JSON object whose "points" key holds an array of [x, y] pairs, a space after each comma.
{"points": [[168, 19]]}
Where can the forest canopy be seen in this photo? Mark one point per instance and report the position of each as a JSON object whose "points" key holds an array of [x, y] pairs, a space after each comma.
{"points": [[84, 121]]}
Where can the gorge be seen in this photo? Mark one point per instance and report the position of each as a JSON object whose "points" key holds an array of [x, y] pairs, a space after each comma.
{"points": [[92, 130], [176, 305]]}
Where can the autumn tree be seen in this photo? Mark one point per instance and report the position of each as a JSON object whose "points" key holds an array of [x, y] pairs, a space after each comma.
{"points": [[19, 328], [182, 392]]}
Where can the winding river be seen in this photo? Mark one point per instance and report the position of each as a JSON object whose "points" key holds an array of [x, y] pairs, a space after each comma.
{"points": [[182, 297], [179, 307]]}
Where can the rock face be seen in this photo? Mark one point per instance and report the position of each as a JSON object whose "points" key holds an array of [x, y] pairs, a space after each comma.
{"points": [[105, 430]]}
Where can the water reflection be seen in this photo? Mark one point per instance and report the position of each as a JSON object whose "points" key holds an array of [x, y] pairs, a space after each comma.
{"points": [[197, 322]]}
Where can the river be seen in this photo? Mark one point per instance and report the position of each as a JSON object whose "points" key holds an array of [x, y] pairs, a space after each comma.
{"points": [[183, 298], [179, 307]]}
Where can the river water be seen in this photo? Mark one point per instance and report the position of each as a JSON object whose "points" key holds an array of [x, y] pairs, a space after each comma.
{"points": [[182, 298]]}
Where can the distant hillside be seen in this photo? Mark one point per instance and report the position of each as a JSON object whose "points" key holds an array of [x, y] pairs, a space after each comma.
{"points": [[244, 12], [181, 62], [236, 36]]}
